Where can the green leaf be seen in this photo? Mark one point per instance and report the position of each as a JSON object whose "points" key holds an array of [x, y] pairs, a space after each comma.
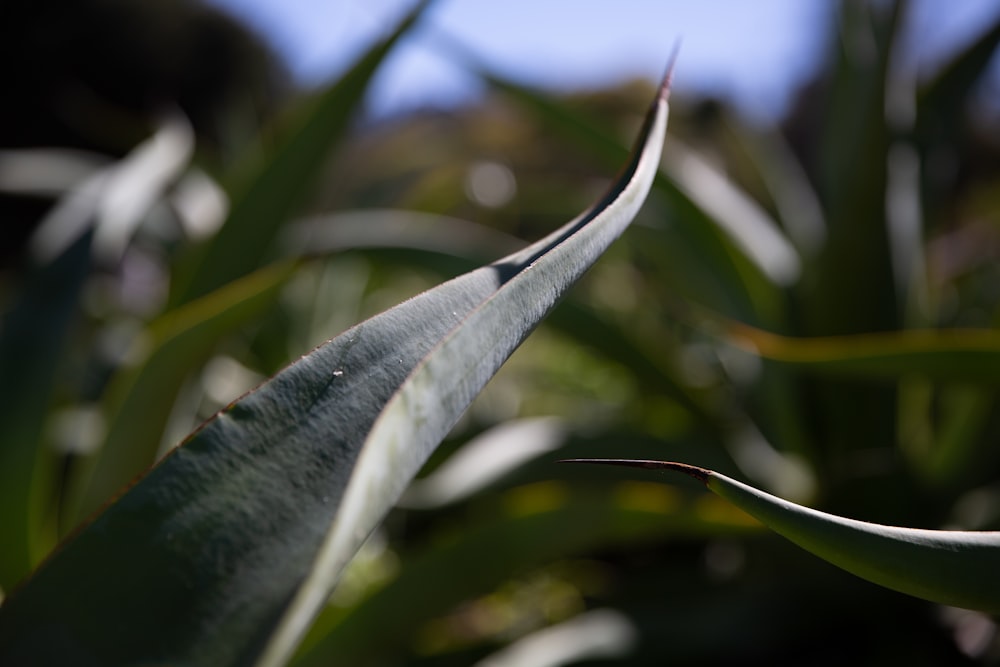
{"points": [[951, 567], [140, 396], [785, 181], [941, 105], [742, 219], [552, 519], [225, 551], [942, 430], [957, 77], [32, 338], [729, 251], [851, 182], [395, 228], [450, 242], [971, 355], [273, 186]]}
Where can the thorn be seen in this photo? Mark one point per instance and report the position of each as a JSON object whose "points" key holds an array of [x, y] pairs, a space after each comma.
{"points": [[668, 76], [700, 474]]}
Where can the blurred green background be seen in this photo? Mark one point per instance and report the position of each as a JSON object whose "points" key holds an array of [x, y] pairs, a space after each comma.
{"points": [[871, 208]]}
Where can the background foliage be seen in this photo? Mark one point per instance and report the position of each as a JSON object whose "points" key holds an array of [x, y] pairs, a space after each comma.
{"points": [[871, 210]]}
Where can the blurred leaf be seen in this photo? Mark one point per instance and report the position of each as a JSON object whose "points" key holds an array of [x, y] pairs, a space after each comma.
{"points": [[971, 355], [536, 524], [141, 394], [950, 567], [939, 129], [594, 634], [649, 366], [936, 104], [34, 332], [97, 216], [114, 199], [782, 174], [944, 450], [743, 220], [251, 521], [391, 228], [482, 460], [849, 288], [273, 185]]}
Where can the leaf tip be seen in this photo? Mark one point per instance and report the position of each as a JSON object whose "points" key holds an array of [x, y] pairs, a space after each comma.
{"points": [[700, 474], [668, 76]]}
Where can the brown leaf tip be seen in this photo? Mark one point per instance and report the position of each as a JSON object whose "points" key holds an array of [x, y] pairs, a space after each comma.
{"points": [[668, 76], [700, 474]]}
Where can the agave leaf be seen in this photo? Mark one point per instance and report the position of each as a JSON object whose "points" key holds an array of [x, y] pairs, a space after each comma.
{"points": [[271, 187], [226, 550], [957, 77], [970, 355], [939, 126], [267, 192], [786, 182], [449, 242], [95, 217], [395, 228], [936, 103], [742, 219], [851, 182], [141, 395], [942, 430], [35, 330], [742, 255], [951, 567]]}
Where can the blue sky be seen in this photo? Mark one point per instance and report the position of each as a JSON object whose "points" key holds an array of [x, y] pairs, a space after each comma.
{"points": [[754, 53]]}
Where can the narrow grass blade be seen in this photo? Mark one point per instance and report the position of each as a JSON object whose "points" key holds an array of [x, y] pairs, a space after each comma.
{"points": [[236, 539], [956, 568]]}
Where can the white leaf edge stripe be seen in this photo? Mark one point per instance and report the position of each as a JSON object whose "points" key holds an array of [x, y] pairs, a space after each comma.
{"points": [[442, 385]]}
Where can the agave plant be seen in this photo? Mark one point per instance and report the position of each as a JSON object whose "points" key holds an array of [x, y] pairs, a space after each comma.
{"points": [[805, 310]]}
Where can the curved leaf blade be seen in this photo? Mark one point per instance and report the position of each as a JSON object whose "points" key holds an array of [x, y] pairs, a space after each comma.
{"points": [[247, 525], [141, 396], [951, 567], [720, 243], [462, 245], [971, 355], [444, 383]]}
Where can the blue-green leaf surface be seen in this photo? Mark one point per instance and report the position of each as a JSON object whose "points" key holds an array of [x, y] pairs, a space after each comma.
{"points": [[952, 567], [225, 551]]}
